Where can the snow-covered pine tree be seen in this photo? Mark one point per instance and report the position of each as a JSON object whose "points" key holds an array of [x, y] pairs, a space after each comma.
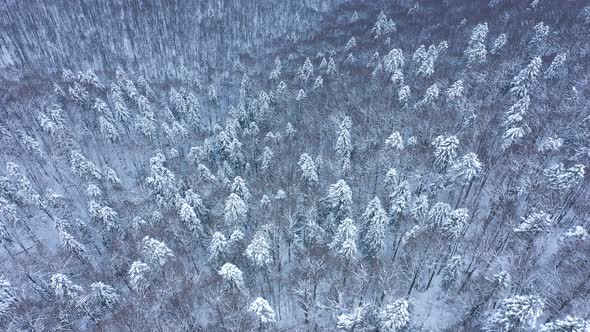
{"points": [[340, 199], [263, 311], [499, 44], [395, 317], [276, 72], [566, 324], [395, 141], [466, 168], [455, 91], [233, 278], [102, 297], [372, 235], [520, 311], [156, 252], [239, 188], [259, 251], [344, 243], [64, 288], [305, 71], [308, 170], [522, 82], [266, 159], [556, 66], [344, 145], [476, 52], [383, 26], [235, 211], [138, 275], [445, 150]]}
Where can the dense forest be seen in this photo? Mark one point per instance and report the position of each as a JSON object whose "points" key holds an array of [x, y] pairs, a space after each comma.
{"points": [[342, 165]]}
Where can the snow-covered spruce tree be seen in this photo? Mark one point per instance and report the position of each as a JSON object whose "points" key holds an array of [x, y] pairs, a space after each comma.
{"points": [[276, 72], [556, 68], [239, 188], [393, 62], [562, 179], [538, 38], [430, 96], [455, 91], [395, 317], [235, 211], [64, 289], [263, 311], [499, 44], [233, 280], [451, 271], [467, 168], [383, 26], [8, 299], [340, 199], [476, 52], [162, 181], [344, 146], [331, 67], [139, 275], [102, 298], [520, 311], [395, 141], [400, 198], [419, 207], [350, 44], [156, 252], [522, 82], [445, 150], [448, 222], [218, 247], [344, 243], [534, 223], [566, 324], [305, 71], [372, 235], [266, 159], [351, 321], [308, 170], [259, 251]]}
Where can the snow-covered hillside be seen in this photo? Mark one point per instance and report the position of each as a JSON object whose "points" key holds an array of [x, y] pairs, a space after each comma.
{"points": [[415, 165]]}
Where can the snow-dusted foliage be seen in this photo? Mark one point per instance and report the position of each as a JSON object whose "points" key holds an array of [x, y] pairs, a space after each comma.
{"points": [[476, 52], [232, 276], [262, 310], [344, 243], [396, 316], [313, 165], [520, 311]]}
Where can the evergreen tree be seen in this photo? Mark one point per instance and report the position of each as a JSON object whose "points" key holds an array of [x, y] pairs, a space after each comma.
{"points": [[340, 199], [138, 275], [235, 211], [373, 230], [344, 243], [476, 52], [308, 170], [514, 312], [395, 316], [155, 251], [232, 277], [567, 324], [344, 145], [259, 252], [263, 311]]}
